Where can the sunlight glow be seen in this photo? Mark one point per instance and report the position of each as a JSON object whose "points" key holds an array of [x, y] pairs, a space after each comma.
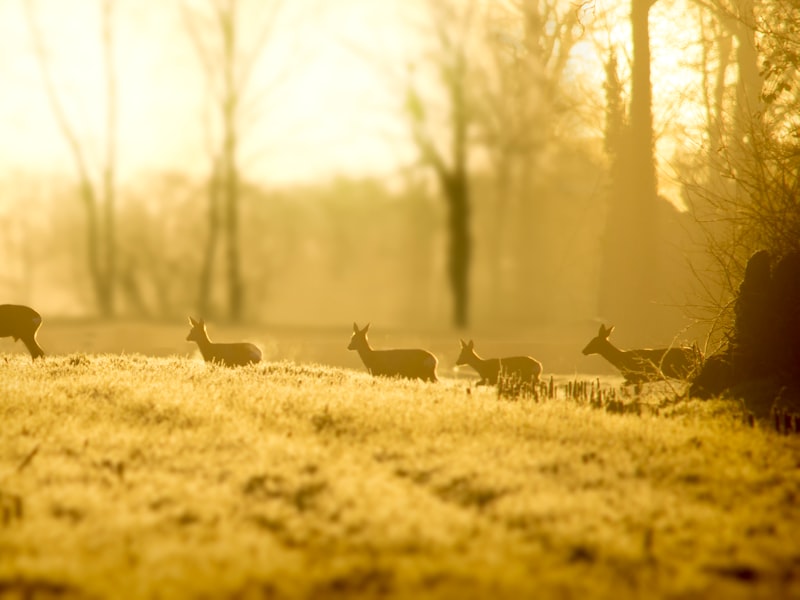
{"points": [[332, 109], [162, 90]]}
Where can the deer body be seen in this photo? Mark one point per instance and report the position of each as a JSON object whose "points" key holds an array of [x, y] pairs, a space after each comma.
{"points": [[408, 363], [230, 355], [646, 364], [524, 368], [21, 323]]}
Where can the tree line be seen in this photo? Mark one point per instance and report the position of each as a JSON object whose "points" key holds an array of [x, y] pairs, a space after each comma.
{"points": [[539, 184]]}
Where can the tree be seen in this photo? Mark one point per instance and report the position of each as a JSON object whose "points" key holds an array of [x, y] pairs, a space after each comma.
{"points": [[452, 29], [735, 21], [745, 194], [630, 255], [521, 109], [97, 191], [228, 60]]}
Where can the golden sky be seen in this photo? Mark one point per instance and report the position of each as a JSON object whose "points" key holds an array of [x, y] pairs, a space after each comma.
{"points": [[334, 112], [331, 113]]}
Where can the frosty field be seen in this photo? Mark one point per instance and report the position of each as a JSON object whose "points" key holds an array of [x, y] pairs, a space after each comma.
{"points": [[132, 476]]}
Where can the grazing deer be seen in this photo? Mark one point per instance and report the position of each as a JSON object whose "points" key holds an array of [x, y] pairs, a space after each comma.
{"points": [[639, 366], [412, 364], [21, 323], [230, 355], [524, 368]]}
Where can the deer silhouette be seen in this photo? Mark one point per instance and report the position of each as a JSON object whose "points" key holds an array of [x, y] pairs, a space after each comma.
{"points": [[230, 355], [524, 368], [646, 364], [21, 323], [409, 363]]}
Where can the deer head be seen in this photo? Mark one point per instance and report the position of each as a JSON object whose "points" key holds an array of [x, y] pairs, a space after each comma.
{"points": [[359, 339], [467, 352], [198, 331], [600, 342]]}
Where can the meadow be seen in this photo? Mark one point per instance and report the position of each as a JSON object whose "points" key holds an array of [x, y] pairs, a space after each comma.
{"points": [[140, 476]]}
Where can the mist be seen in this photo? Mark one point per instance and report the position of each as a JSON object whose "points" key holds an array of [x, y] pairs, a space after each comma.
{"points": [[429, 166]]}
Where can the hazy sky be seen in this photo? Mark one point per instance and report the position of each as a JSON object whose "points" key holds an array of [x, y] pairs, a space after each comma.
{"points": [[335, 111], [332, 112]]}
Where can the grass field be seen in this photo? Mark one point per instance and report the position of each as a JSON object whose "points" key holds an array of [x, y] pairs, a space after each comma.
{"points": [[131, 476]]}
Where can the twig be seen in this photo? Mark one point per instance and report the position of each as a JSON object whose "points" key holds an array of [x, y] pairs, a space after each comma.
{"points": [[27, 460]]}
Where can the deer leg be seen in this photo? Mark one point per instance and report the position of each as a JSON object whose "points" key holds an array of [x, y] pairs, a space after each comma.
{"points": [[34, 348]]}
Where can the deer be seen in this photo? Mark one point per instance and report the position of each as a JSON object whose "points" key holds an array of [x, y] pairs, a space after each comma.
{"points": [[524, 368], [646, 364], [408, 363], [22, 323], [231, 355]]}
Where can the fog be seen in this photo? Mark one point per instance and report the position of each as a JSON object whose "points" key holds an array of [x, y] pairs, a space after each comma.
{"points": [[424, 165]]}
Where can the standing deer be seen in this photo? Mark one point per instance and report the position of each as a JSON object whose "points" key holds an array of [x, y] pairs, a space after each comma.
{"points": [[639, 366], [21, 323], [524, 368], [412, 364], [230, 355]]}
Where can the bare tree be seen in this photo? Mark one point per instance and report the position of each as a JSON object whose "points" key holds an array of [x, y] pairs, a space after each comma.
{"points": [[743, 190], [97, 191], [229, 53], [520, 104], [734, 21], [452, 28]]}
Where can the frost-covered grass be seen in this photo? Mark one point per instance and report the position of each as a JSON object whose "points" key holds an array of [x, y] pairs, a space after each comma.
{"points": [[139, 477]]}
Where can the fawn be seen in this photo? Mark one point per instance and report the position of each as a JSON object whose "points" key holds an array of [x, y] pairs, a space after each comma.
{"points": [[524, 368], [412, 364], [230, 355], [21, 323], [639, 366]]}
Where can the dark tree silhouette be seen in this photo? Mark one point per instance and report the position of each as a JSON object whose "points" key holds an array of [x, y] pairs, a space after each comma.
{"points": [[630, 266], [450, 165]]}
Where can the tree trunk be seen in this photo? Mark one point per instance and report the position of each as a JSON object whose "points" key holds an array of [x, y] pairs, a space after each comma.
{"points": [[235, 285], [716, 125], [456, 191], [230, 111], [498, 293], [109, 169], [210, 250], [93, 243], [642, 169], [630, 263], [748, 85]]}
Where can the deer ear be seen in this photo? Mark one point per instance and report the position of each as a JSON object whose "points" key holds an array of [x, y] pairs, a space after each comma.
{"points": [[366, 328], [607, 331], [602, 331], [471, 345], [355, 327], [463, 343], [192, 322]]}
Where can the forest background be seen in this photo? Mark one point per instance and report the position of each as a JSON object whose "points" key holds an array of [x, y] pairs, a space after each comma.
{"points": [[524, 167]]}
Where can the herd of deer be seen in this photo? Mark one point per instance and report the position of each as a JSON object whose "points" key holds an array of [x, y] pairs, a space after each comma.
{"points": [[636, 366]]}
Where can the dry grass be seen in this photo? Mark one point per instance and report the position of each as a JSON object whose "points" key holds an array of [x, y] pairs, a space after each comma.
{"points": [[140, 477]]}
